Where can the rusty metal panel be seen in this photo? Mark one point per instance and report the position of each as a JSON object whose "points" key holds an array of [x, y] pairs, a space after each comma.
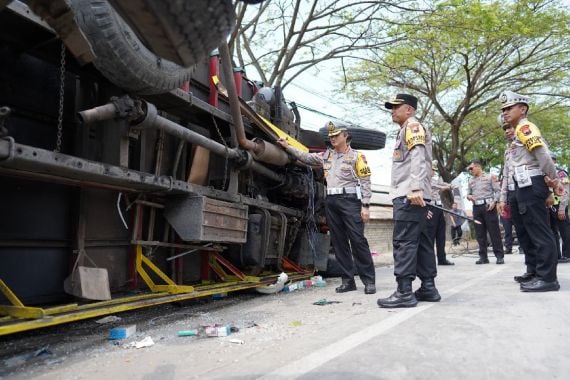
{"points": [[199, 218]]}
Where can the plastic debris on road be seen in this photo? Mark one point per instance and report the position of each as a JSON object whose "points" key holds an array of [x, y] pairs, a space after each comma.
{"points": [[122, 332], [323, 301], [276, 287], [108, 319], [146, 342]]}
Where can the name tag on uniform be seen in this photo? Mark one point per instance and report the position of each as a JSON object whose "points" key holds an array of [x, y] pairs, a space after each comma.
{"points": [[522, 177]]}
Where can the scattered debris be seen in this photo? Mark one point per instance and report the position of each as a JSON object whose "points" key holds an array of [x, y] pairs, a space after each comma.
{"points": [[21, 359], [276, 287], [323, 301], [146, 342], [356, 303], [318, 281], [108, 319], [216, 330], [44, 351], [188, 332], [122, 332], [236, 341], [296, 323], [55, 361]]}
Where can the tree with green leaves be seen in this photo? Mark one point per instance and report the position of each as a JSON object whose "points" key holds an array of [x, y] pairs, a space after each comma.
{"points": [[458, 57]]}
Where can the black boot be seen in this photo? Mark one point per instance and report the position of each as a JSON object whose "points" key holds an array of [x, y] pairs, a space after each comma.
{"points": [[402, 297], [525, 277], [346, 286], [427, 292]]}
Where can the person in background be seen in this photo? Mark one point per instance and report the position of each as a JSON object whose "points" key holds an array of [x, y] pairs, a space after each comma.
{"points": [[436, 224], [559, 223], [484, 193], [456, 223], [506, 221], [347, 204]]}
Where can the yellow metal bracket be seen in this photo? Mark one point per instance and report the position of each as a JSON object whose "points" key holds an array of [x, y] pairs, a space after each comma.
{"points": [[171, 286], [18, 309], [217, 263], [261, 122]]}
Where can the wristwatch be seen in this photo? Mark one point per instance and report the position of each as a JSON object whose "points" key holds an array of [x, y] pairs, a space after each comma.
{"points": [[366, 205]]}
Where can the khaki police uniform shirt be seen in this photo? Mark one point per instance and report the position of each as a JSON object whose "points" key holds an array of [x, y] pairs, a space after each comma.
{"points": [[530, 149], [411, 160], [508, 173], [346, 169], [484, 188], [437, 185]]}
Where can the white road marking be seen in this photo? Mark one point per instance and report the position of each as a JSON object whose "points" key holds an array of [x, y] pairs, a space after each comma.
{"points": [[308, 363]]}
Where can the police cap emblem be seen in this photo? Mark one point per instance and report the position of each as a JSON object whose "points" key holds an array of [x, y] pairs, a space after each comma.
{"points": [[510, 98], [335, 129]]}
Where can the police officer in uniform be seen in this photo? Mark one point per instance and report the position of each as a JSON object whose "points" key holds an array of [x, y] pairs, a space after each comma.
{"points": [[347, 206], [534, 172], [484, 193], [411, 192], [508, 199], [436, 223], [559, 222]]}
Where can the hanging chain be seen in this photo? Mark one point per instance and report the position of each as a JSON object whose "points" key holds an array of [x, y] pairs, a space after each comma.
{"points": [[226, 155], [61, 98]]}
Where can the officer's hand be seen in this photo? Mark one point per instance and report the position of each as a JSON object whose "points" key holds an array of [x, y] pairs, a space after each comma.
{"points": [[471, 198], [549, 201], [549, 182], [283, 142], [416, 198], [555, 184], [561, 215], [491, 206], [559, 189], [501, 208], [365, 214]]}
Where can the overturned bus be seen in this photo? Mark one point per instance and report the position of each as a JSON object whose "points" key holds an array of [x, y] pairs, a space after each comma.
{"points": [[128, 181]]}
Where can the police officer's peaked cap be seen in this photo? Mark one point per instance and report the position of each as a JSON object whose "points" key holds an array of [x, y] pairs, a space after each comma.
{"points": [[501, 120], [402, 99], [509, 98], [335, 128]]}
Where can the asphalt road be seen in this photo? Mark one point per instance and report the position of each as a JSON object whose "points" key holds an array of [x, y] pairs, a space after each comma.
{"points": [[484, 328]]}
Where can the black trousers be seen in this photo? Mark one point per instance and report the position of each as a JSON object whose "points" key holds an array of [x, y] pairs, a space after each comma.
{"points": [[456, 233], [489, 223], [528, 247], [436, 226], [413, 244], [534, 217], [560, 228], [347, 236], [508, 227]]}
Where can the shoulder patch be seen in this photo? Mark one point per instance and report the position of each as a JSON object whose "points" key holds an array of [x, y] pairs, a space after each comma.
{"points": [[415, 135], [529, 135], [362, 168]]}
